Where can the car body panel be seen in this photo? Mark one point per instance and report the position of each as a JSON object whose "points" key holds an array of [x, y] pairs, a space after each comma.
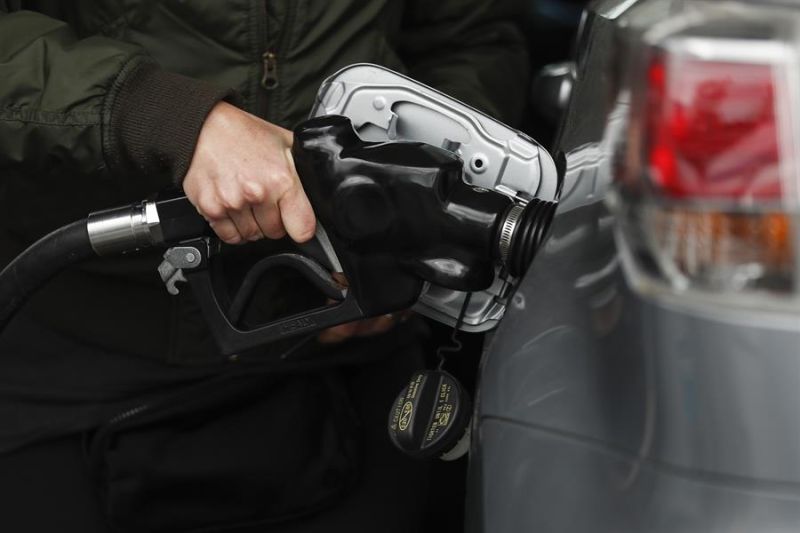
{"points": [[603, 409]]}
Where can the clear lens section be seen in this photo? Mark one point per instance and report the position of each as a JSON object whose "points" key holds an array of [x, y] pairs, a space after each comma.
{"points": [[721, 252]]}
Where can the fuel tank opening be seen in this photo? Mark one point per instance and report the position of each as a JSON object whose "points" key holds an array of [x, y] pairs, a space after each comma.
{"points": [[522, 234]]}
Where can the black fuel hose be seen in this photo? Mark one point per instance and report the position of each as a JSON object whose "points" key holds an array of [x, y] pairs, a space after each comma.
{"points": [[41, 261]]}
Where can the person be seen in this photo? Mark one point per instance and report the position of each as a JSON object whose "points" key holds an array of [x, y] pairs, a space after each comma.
{"points": [[104, 103]]}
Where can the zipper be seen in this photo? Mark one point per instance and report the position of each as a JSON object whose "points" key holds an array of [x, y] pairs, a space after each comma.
{"points": [[94, 445], [130, 413], [262, 41], [269, 78]]}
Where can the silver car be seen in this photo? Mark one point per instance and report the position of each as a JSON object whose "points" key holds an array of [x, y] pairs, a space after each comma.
{"points": [[646, 376]]}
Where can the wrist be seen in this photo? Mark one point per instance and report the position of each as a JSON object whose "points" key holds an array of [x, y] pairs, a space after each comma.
{"points": [[153, 120]]}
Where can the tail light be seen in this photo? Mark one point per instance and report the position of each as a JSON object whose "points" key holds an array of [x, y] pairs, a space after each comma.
{"points": [[712, 130], [708, 186]]}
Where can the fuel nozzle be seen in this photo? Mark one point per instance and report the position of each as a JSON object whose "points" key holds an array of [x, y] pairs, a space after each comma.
{"points": [[399, 217], [400, 214]]}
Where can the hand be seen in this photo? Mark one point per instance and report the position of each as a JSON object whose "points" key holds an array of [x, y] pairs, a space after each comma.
{"points": [[361, 328], [242, 179]]}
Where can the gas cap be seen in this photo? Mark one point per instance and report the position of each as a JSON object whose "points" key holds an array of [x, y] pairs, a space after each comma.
{"points": [[430, 417]]}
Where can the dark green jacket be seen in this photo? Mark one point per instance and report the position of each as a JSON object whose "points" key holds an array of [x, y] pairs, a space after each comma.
{"points": [[101, 103]]}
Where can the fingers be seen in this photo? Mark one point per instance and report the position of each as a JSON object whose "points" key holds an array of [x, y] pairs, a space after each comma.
{"points": [[361, 328], [226, 230], [289, 213], [246, 224], [297, 215], [378, 325], [338, 334], [242, 179], [296, 212], [268, 218]]}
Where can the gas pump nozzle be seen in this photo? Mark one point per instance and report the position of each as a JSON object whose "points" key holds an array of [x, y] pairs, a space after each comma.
{"points": [[396, 216]]}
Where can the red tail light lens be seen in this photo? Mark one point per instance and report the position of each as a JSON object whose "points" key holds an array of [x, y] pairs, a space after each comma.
{"points": [[712, 130]]}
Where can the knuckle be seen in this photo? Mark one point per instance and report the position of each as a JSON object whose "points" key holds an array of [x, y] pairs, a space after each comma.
{"points": [[284, 176], [232, 203], [283, 182], [253, 192], [211, 210]]}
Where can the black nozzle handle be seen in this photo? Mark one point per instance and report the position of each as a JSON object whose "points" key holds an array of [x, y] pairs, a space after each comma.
{"points": [[146, 224]]}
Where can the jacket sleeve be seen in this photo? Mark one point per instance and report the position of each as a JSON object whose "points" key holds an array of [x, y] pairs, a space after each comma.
{"points": [[469, 49], [93, 104]]}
